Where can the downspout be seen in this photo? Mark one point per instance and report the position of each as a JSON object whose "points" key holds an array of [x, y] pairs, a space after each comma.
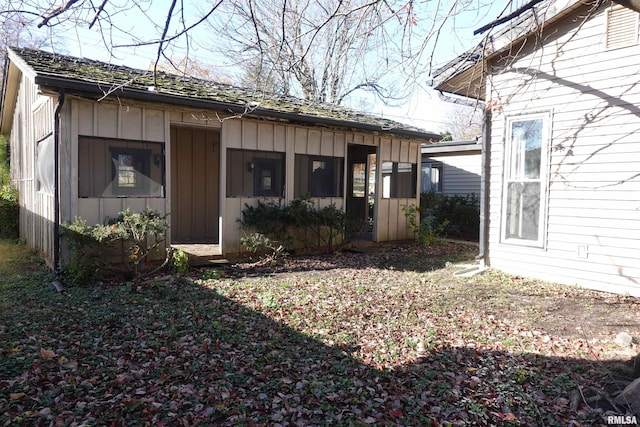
{"points": [[56, 189], [484, 188]]}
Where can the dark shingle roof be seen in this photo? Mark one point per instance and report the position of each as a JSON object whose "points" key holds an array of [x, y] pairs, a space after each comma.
{"points": [[55, 70]]}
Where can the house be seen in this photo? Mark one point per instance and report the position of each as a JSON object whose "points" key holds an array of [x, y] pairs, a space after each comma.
{"points": [[90, 139], [561, 182], [451, 168]]}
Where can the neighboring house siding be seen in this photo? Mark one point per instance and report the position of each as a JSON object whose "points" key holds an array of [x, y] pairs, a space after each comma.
{"points": [[593, 211], [460, 173]]}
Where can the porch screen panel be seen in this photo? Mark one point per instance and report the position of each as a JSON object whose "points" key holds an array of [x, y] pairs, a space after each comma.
{"points": [[120, 168], [253, 173], [319, 176]]}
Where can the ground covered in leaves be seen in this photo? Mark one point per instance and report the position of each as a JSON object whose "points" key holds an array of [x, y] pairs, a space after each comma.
{"points": [[388, 336]]}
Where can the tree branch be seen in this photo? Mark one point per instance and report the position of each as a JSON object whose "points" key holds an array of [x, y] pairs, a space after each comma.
{"points": [[175, 36], [507, 18], [100, 9], [55, 12]]}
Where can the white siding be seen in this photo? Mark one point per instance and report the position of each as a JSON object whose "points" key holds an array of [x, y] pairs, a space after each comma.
{"points": [[461, 173], [593, 207]]}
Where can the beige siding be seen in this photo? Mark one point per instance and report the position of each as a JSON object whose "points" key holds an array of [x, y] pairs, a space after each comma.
{"points": [[390, 221], [593, 207], [32, 122], [268, 136], [117, 121]]}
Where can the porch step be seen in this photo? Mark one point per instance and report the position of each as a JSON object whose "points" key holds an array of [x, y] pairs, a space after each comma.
{"points": [[202, 254]]}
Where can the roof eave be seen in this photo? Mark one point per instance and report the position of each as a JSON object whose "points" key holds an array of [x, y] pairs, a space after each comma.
{"points": [[154, 96], [466, 79]]}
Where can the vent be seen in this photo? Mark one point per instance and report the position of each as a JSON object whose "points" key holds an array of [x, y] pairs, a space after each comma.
{"points": [[622, 27]]}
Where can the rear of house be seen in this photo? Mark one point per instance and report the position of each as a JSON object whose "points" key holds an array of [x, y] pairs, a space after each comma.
{"points": [[562, 193], [89, 140]]}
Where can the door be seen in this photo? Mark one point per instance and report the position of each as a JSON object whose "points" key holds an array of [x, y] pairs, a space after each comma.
{"points": [[361, 185], [195, 185]]}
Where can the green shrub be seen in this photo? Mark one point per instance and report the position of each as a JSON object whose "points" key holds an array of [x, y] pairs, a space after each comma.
{"points": [[276, 226], [179, 261], [9, 209], [458, 215], [136, 234], [426, 230]]}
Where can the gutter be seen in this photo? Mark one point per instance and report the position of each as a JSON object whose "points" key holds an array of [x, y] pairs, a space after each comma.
{"points": [[484, 189], [152, 96], [56, 189]]}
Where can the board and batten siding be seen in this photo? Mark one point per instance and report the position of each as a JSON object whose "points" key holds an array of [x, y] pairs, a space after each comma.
{"points": [[460, 172], [390, 221], [272, 137], [593, 198], [32, 122], [116, 121]]}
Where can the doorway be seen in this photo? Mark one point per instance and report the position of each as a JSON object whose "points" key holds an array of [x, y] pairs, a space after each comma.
{"points": [[361, 187], [195, 185]]}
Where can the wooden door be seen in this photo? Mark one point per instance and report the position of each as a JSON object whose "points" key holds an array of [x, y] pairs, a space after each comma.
{"points": [[195, 185]]}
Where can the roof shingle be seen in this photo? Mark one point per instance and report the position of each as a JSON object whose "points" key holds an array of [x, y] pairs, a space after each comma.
{"points": [[52, 69]]}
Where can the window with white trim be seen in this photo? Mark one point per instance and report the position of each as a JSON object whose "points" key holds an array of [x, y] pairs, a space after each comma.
{"points": [[525, 179]]}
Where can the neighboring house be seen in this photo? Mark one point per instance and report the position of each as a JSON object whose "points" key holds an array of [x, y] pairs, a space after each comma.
{"points": [[451, 168], [561, 192], [89, 139]]}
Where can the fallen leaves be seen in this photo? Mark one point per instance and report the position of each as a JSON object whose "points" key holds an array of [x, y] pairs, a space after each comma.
{"points": [[321, 340], [47, 354]]}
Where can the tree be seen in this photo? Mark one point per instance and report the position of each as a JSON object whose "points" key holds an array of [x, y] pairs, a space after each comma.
{"points": [[16, 31], [191, 67], [327, 50], [322, 51], [465, 122]]}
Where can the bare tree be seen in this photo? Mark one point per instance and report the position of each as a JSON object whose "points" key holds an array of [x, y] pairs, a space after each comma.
{"points": [[329, 50], [465, 123], [17, 31], [186, 66], [322, 51]]}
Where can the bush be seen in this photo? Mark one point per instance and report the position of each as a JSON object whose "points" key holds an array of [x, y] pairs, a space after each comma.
{"points": [[137, 234], [426, 230], [276, 226], [458, 216], [9, 210]]}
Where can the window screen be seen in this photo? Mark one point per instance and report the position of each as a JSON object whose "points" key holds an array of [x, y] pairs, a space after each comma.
{"points": [[252, 173], [398, 180], [319, 176], [120, 168]]}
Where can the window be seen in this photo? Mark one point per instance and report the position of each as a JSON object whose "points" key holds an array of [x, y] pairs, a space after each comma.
{"points": [[431, 177], [525, 179], [398, 180], [45, 167], [120, 168], [252, 173], [319, 176], [622, 27]]}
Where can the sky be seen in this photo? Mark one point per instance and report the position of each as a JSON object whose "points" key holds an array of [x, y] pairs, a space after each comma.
{"points": [[423, 108]]}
